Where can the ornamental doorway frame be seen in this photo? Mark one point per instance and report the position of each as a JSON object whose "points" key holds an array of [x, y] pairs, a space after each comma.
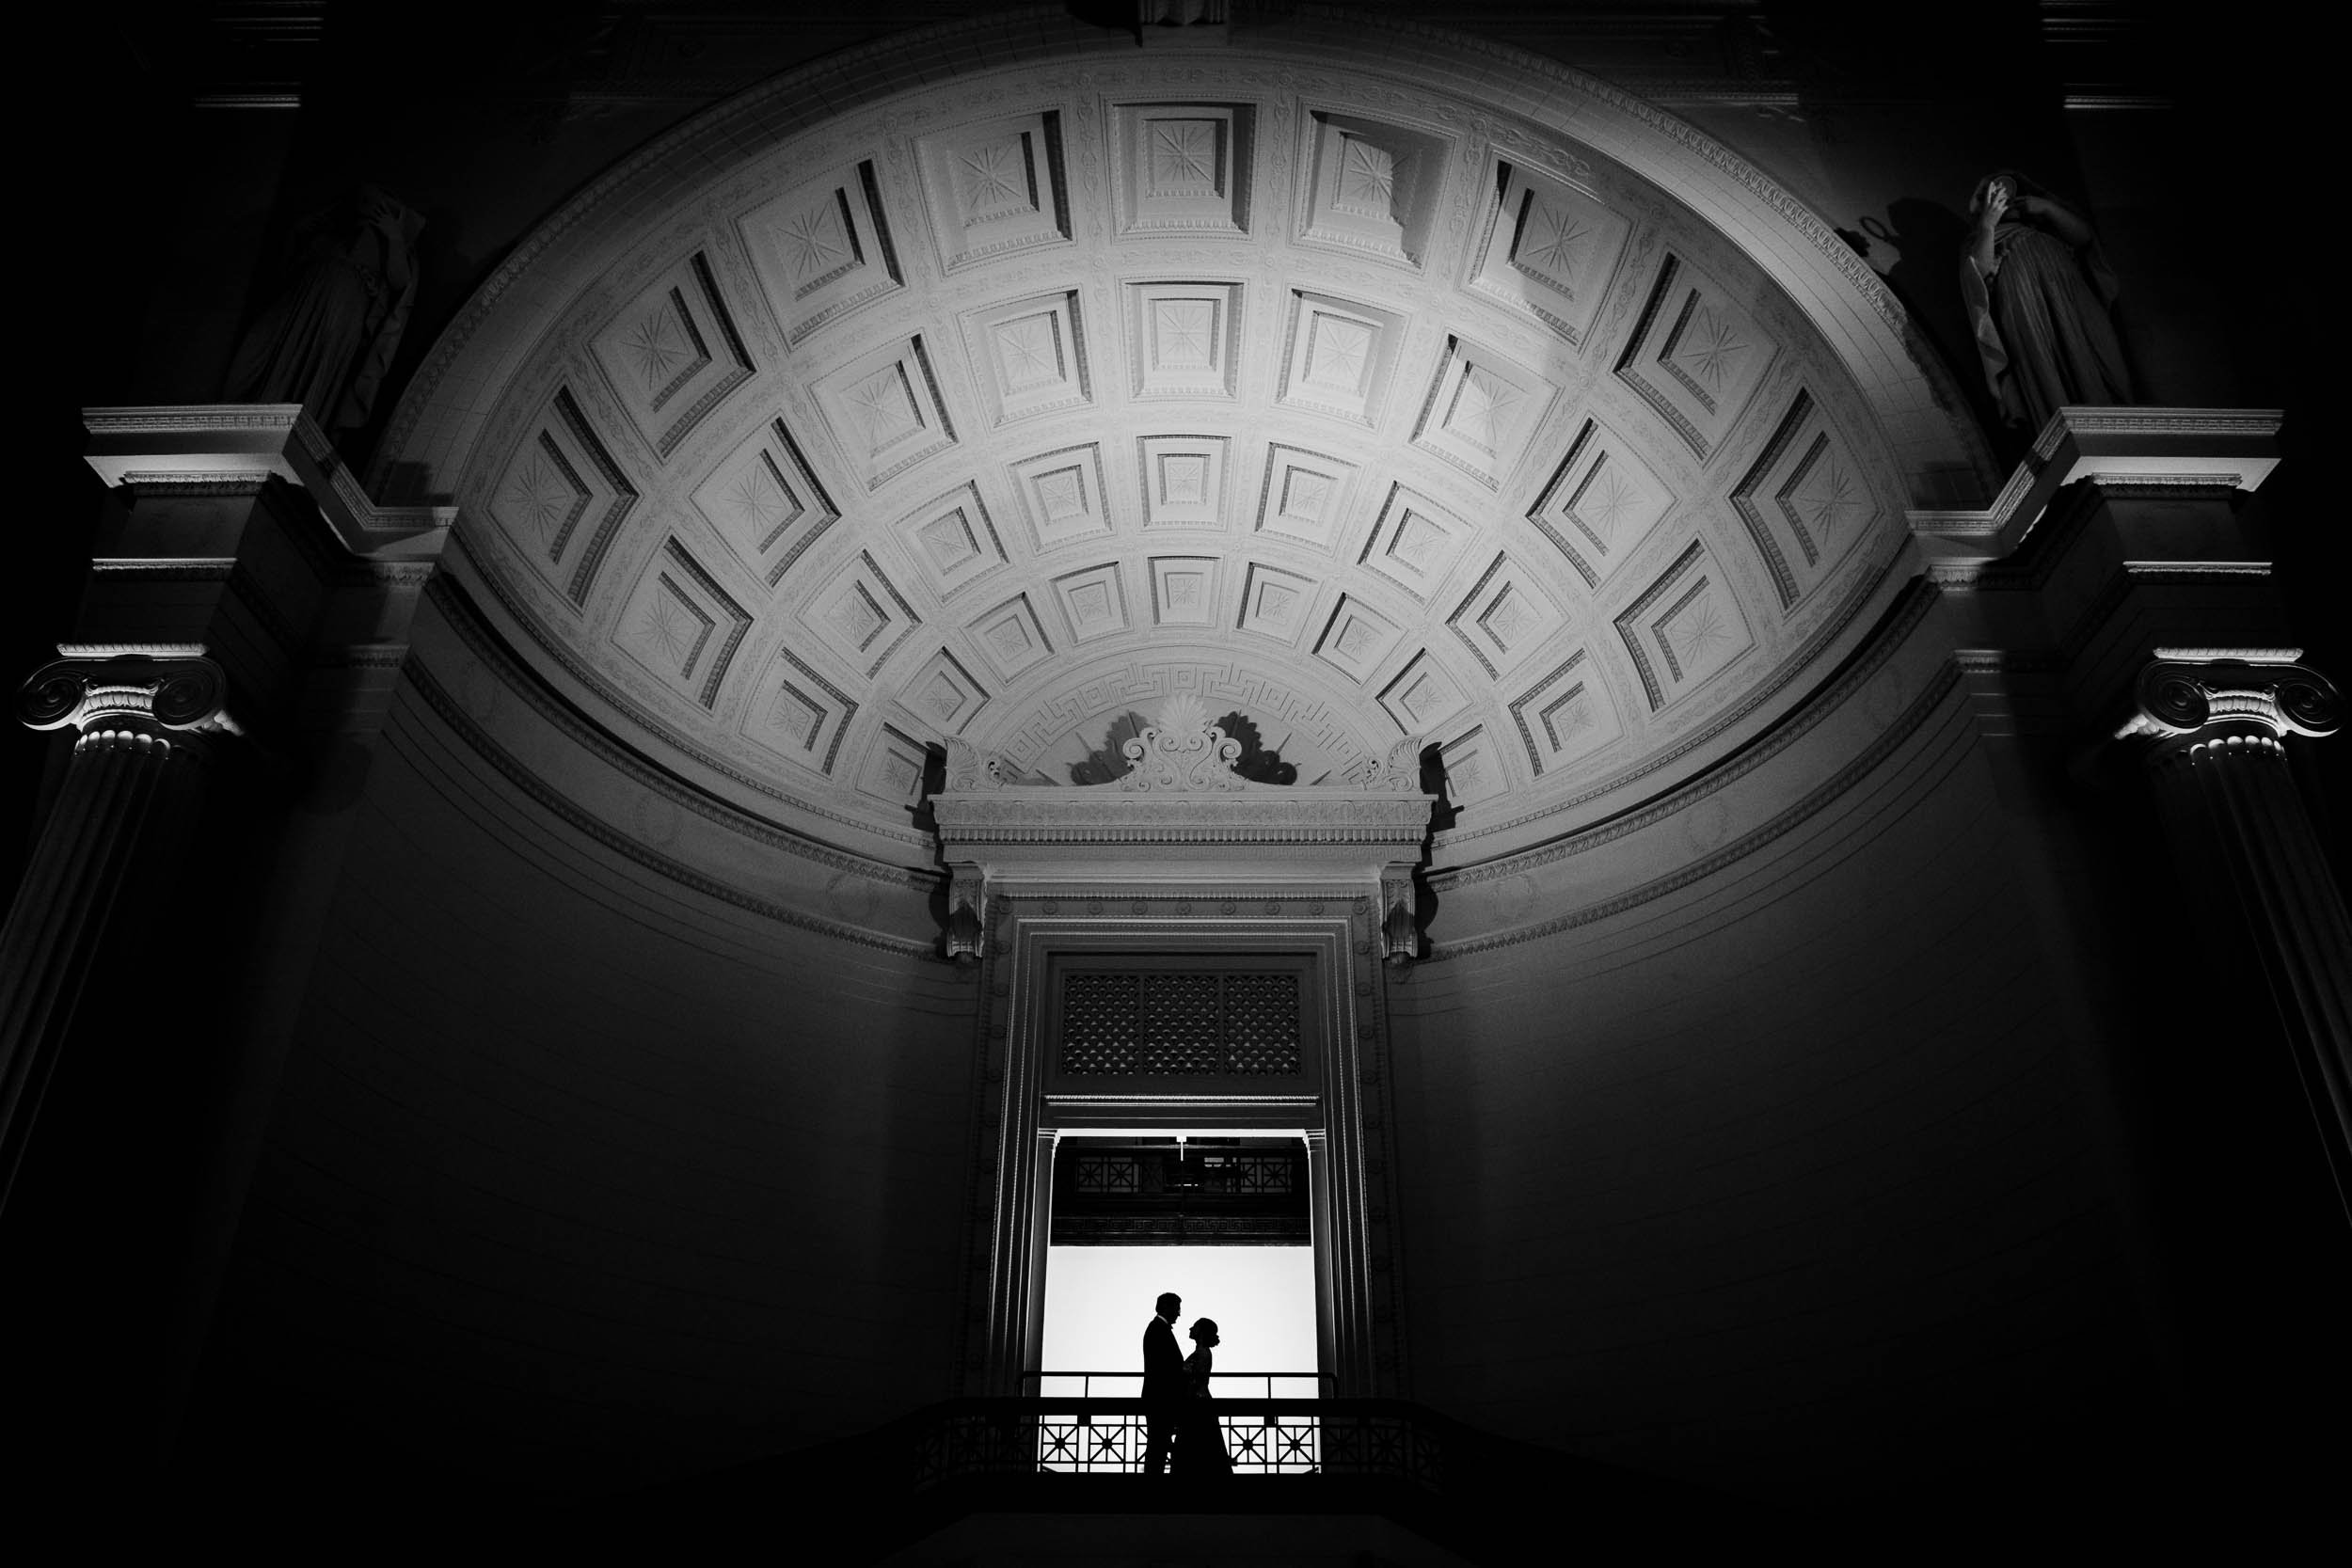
{"points": [[1183, 858]]}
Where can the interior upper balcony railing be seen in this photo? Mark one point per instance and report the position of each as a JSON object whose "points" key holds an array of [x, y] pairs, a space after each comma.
{"points": [[1096, 1422]]}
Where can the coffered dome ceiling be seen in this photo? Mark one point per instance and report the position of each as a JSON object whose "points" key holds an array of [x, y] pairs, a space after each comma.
{"points": [[1023, 399]]}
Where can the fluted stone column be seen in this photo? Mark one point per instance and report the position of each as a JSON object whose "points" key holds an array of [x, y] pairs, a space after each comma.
{"points": [[140, 711], [2244, 844]]}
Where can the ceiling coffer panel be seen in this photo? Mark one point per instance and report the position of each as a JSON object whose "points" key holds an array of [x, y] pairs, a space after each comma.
{"points": [[1342, 404]]}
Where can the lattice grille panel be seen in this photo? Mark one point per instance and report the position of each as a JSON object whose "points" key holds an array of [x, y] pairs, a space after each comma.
{"points": [[1180, 1023], [1262, 1024], [1098, 1022], [1175, 1023]]}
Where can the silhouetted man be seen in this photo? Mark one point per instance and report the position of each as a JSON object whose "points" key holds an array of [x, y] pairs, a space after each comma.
{"points": [[1163, 1384]]}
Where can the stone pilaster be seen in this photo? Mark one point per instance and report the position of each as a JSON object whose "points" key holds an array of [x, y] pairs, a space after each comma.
{"points": [[139, 711], [2217, 724]]}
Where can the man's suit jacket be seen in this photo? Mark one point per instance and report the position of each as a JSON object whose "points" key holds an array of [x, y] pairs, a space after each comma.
{"points": [[1163, 1381]]}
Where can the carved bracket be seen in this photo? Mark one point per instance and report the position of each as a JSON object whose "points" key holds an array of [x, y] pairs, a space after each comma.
{"points": [[967, 912]]}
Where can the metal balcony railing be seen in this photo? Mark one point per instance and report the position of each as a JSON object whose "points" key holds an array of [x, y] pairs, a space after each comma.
{"points": [[1070, 1428], [1269, 1431]]}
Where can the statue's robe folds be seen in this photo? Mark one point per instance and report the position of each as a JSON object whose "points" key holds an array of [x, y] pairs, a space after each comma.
{"points": [[2043, 325]]}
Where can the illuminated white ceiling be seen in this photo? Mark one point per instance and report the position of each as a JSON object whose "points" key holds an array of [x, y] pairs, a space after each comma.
{"points": [[1024, 398]]}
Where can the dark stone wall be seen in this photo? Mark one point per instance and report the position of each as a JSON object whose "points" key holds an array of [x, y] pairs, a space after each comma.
{"points": [[1791, 1181], [578, 1180]]}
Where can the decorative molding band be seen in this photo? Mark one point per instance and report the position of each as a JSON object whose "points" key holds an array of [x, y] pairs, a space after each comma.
{"points": [[251, 483], [1327, 823], [1740, 848], [485, 745]]}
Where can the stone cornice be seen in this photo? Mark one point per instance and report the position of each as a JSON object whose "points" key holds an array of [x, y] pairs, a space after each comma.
{"points": [[208, 448], [1322, 818], [2144, 450]]}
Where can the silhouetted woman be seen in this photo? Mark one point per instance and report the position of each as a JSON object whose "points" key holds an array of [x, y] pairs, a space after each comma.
{"points": [[2040, 301], [1200, 1448]]}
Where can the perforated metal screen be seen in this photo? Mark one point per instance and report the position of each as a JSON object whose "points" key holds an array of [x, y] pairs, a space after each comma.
{"points": [[1180, 1023]]}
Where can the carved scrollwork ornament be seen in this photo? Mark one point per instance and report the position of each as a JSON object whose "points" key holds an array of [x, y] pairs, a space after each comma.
{"points": [[181, 692], [2177, 698], [1183, 751], [1401, 768], [968, 768]]}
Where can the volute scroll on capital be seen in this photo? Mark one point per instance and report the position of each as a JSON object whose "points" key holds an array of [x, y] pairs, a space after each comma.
{"points": [[2178, 698], [164, 690]]}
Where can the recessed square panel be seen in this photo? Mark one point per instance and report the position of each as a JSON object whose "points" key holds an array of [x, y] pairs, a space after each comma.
{"points": [[1505, 616], [1181, 168], [1357, 639], [1369, 186], [1062, 494], [1805, 499], [1185, 590], [1685, 627], [1696, 355], [1029, 356], [1093, 602], [894, 769], [885, 412], [860, 616], [1480, 412], [1184, 339], [944, 694], [1183, 479], [798, 714], [952, 540], [764, 500], [1339, 358], [1474, 770], [672, 353], [1549, 248], [1415, 543], [1275, 603], [1011, 635], [680, 626], [1306, 495], [1422, 695], [1602, 503], [822, 249], [560, 498], [993, 188], [1565, 716]]}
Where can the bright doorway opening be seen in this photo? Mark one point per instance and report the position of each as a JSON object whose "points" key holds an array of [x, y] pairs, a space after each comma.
{"points": [[1098, 1299], [1221, 1220]]}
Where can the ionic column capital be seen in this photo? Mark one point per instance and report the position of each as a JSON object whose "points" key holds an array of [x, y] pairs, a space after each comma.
{"points": [[2247, 694], [136, 689]]}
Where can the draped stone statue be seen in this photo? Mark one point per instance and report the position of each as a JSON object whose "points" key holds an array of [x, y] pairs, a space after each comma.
{"points": [[327, 340], [2041, 300]]}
